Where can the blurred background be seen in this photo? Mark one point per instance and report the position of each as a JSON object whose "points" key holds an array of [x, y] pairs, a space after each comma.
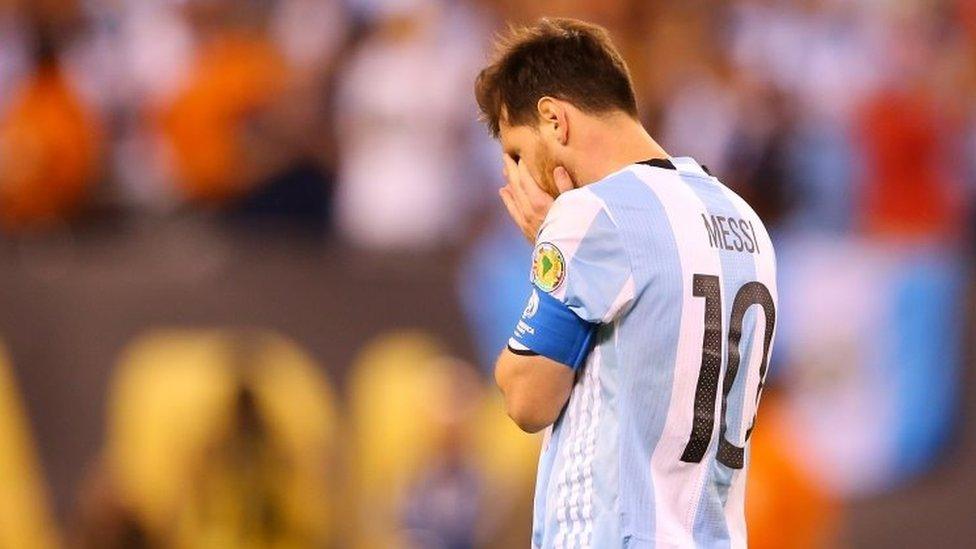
{"points": [[253, 269]]}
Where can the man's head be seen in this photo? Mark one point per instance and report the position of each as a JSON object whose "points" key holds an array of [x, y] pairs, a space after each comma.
{"points": [[546, 83]]}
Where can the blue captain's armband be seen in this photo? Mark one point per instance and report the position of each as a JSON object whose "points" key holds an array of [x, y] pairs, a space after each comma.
{"points": [[549, 328]]}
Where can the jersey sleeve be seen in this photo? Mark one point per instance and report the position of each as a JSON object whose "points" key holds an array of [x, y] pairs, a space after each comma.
{"points": [[580, 259]]}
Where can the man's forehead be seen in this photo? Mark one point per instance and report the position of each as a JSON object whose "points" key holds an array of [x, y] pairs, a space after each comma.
{"points": [[503, 126], [503, 117], [508, 132], [505, 131]]}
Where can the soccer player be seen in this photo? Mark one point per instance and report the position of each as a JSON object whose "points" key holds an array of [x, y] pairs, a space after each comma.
{"points": [[647, 333]]}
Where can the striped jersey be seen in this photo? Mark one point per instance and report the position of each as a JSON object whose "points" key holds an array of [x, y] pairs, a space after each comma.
{"points": [[652, 447]]}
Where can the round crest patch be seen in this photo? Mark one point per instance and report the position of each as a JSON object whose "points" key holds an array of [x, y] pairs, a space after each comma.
{"points": [[548, 267]]}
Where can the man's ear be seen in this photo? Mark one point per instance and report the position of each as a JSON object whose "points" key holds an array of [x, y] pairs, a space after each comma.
{"points": [[553, 115]]}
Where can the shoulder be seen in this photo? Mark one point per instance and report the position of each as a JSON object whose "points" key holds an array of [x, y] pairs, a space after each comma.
{"points": [[579, 230], [580, 257], [573, 213], [756, 223], [581, 200], [635, 188], [586, 202], [743, 207]]}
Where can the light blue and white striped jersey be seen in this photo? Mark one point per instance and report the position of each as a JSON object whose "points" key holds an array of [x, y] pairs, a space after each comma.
{"points": [[652, 447]]}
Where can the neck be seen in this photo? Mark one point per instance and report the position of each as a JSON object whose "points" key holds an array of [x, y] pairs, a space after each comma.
{"points": [[614, 144]]}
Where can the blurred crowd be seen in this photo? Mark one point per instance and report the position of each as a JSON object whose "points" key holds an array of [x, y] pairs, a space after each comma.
{"points": [[356, 115], [850, 125]]}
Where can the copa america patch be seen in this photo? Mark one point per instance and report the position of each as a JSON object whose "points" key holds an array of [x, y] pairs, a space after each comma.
{"points": [[548, 267]]}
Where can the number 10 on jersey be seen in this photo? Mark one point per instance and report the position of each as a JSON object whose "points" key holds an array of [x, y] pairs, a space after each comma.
{"points": [[752, 293]]}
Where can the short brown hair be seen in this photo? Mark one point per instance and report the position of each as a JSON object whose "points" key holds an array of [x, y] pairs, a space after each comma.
{"points": [[566, 59]]}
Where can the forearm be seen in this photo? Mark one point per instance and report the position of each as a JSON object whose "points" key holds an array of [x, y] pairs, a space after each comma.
{"points": [[535, 389]]}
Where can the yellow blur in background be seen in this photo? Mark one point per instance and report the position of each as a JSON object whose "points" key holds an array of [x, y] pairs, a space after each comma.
{"points": [[224, 438], [24, 514]]}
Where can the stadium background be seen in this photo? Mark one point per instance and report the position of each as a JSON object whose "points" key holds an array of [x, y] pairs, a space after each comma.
{"points": [[253, 269]]}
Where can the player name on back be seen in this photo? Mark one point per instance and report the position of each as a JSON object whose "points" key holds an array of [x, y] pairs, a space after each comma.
{"points": [[730, 233]]}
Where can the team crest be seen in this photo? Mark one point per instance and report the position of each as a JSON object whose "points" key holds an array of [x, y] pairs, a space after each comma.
{"points": [[548, 267]]}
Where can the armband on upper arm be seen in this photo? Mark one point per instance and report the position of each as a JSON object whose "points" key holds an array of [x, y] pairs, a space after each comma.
{"points": [[549, 328]]}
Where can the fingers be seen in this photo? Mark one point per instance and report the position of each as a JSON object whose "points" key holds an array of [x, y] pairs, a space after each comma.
{"points": [[513, 211], [526, 202], [526, 181], [533, 193], [509, 200], [513, 177], [521, 186], [510, 169], [563, 180]]}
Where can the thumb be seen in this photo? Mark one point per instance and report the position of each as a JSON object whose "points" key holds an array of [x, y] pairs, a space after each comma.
{"points": [[563, 181]]}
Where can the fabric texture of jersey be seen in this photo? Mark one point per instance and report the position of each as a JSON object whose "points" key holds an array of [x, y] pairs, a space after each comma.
{"points": [[611, 473]]}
